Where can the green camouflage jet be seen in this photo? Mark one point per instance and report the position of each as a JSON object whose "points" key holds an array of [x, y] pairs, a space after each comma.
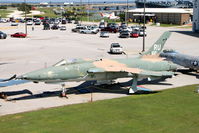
{"points": [[147, 65]]}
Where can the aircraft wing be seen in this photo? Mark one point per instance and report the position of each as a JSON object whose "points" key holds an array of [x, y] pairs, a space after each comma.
{"points": [[132, 71]]}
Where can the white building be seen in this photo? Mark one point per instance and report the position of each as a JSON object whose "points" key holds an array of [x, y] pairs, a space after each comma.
{"points": [[196, 16]]}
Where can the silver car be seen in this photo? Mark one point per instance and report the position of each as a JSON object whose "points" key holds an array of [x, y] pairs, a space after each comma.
{"points": [[63, 28], [104, 34]]}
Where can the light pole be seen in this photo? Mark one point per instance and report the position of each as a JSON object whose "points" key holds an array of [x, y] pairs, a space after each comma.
{"points": [[26, 31], [127, 7], [81, 11], [143, 48], [88, 10]]}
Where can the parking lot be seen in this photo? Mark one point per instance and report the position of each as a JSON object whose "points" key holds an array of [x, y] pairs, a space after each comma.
{"points": [[43, 48]]}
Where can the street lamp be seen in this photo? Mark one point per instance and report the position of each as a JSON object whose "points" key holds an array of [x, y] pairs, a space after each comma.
{"points": [[143, 48], [127, 7], [88, 10], [81, 10]]}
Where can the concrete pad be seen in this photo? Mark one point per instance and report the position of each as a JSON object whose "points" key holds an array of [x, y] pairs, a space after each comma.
{"points": [[44, 48]]}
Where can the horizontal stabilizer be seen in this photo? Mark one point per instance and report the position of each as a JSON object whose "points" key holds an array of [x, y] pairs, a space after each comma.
{"points": [[12, 82], [141, 88]]}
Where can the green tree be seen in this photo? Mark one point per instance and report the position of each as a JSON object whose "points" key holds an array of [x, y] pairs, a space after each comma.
{"points": [[24, 7], [122, 17]]}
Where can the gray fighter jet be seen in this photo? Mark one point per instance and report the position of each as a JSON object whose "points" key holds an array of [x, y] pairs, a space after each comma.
{"points": [[187, 61]]}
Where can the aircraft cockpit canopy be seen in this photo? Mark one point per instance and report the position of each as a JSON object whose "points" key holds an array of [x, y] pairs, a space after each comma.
{"points": [[66, 62]]}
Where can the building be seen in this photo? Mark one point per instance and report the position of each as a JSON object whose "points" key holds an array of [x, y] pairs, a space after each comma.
{"points": [[177, 16], [195, 23]]}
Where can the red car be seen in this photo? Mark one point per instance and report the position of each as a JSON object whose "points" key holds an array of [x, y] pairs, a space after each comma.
{"points": [[134, 34], [19, 34]]}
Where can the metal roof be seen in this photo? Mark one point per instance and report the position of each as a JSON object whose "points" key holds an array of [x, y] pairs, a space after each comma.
{"points": [[161, 10]]}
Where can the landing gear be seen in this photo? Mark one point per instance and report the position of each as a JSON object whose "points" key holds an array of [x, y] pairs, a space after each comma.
{"points": [[63, 93], [3, 96], [133, 89]]}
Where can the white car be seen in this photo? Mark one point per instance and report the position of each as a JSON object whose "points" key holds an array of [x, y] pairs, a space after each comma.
{"points": [[89, 31], [116, 48], [14, 24], [29, 23], [142, 33]]}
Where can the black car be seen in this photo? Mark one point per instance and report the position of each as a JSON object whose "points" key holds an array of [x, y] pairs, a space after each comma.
{"points": [[3, 35], [55, 27], [124, 34], [69, 21], [63, 21]]}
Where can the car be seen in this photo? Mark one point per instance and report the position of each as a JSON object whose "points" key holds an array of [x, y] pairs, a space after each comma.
{"points": [[3, 20], [76, 22], [63, 21], [69, 21], [14, 24], [63, 28], [102, 25], [111, 29], [37, 22], [78, 28], [19, 34], [136, 27], [29, 22], [3, 35], [142, 33], [55, 27], [134, 34], [104, 34], [116, 48], [89, 30], [124, 34]]}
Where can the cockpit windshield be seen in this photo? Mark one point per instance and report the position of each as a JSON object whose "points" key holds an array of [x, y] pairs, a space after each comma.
{"points": [[65, 62]]}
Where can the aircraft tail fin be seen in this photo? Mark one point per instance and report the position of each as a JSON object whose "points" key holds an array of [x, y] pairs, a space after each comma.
{"points": [[158, 45]]}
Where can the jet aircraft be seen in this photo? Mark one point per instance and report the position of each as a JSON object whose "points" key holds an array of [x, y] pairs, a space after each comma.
{"points": [[187, 61], [109, 16], [147, 65]]}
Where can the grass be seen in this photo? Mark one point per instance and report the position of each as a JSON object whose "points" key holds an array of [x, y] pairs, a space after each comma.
{"points": [[48, 12], [171, 111], [166, 25], [4, 13]]}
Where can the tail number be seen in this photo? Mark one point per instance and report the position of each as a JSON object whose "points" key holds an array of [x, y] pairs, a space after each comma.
{"points": [[156, 48]]}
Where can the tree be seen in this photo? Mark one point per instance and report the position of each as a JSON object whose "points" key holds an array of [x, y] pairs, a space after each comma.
{"points": [[24, 7], [122, 17]]}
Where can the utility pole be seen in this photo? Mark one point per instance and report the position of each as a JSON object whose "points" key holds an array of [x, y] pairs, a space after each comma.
{"points": [[88, 10], [81, 10], [143, 48], [127, 4], [26, 31]]}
